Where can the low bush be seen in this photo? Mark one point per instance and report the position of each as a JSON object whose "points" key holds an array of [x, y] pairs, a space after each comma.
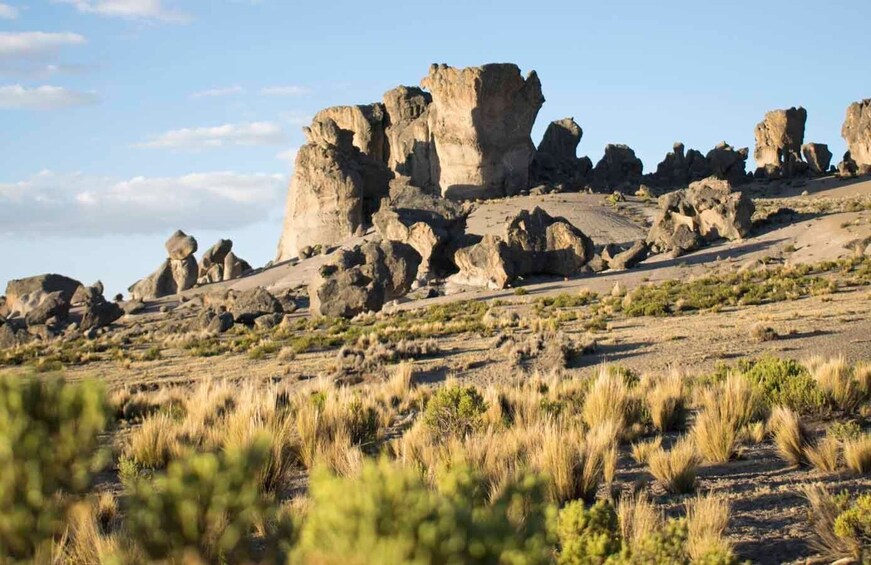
{"points": [[455, 411]]}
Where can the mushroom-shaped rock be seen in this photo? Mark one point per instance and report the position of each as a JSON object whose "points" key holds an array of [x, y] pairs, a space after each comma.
{"points": [[180, 245]]}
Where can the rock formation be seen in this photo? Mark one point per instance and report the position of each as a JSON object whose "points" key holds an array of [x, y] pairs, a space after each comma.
{"points": [[857, 133], [176, 274], [480, 121], [618, 167], [409, 149], [556, 159], [219, 263], [248, 305], [366, 124], [729, 164], [24, 295], [706, 211], [362, 279], [818, 157], [680, 167], [779, 138], [425, 222], [533, 243]]}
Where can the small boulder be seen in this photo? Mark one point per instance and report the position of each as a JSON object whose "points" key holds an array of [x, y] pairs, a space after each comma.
{"points": [[620, 259], [215, 255], [180, 245], [543, 244], [487, 264], [728, 163], [818, 157], [248, 305], [100, 314]]}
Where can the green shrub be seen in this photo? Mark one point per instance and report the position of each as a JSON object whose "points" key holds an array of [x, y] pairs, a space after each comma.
{"points": [[854, 524], [202, 508], [455, 411], [784, 382], [389, 515], [587, 536], [49, 432], [663, 546]]}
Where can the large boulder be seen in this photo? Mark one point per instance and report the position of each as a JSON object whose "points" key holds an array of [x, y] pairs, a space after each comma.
{"points": [[706, 211], [556, 159], [409, 149], [818, 157], [99, 314], [681, 167], [533, 243], [617, 168], [180, 246], [779, 137], [363, 279], [234, 267], [728, 163], [24, 295], [248, 305], [53, 306], [546, 245], [857, 133], [425, 222], [215, 255], [480, 121], [173, 276]]}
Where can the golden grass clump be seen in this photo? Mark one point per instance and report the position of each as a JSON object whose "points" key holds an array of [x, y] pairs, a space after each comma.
{"points": [[790, 437], [676, 468], [666, 402], [825, 455], [836, 378], [824, 512], [641, 450], [639, 519], [707, 520], [857, 454], [609, 399], [727, 408]]}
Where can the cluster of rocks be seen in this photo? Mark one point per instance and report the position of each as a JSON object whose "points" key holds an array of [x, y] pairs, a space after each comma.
{"points": [[46, 305], [705, 211], [180, 271]]}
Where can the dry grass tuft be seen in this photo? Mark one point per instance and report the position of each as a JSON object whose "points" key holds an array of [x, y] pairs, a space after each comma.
{"points": [[707, 520], [836, 378], [726, 410], [824, 456], [641, 450], [857, 454], [609, 400], [639, 519], [676, 469], [824, 511], [666, 402], [789, 434]]}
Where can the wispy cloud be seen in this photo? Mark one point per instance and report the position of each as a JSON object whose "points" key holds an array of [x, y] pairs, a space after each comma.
{"points": [[8, 12], [250, 133], [217, 92], [154, 10], [85, 205], [289, 90], [36, 53], [44, 97]]}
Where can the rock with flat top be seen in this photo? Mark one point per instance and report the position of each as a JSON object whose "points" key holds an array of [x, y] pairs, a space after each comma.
{"points": [[779, 137], [857, 133], [24, 295]]}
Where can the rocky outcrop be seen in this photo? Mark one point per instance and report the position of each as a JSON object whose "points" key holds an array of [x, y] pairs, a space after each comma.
{"points": [[556, 160], [409, 149], [618, 168], [366, 124], [681, 167], [219, 263], [214, 255], [728, 163], [176, 274], [706, 211], [425, 222], [363, 279], [857, 133], [818, 157], [533, 243], [24, 295], [480, 121], [779, 138]]}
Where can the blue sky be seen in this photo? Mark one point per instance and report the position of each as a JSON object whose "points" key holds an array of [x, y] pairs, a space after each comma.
{"points": [[123, 120]]}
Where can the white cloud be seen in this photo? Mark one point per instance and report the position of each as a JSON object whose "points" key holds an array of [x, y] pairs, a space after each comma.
{"points": [[250, 133], [83, 205], [8, 12], [44, 97], [129, 9], [36, 44], [216, 92], [284, 91]]}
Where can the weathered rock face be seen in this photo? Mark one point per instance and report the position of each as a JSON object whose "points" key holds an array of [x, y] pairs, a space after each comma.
{"points": [[173, 276], [180, 246], [857, 133], [363, 278], [556, 159], [366, 124], [534, 243], [779, 138], [818, 157], [425, 222], [215, 255], [99, 314], [681, 167], [53, 306], [619, 166], [248, 305], [706, 211], [408, 141], [729, 164], [23, 295], [480, 121], [325, 202]]}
